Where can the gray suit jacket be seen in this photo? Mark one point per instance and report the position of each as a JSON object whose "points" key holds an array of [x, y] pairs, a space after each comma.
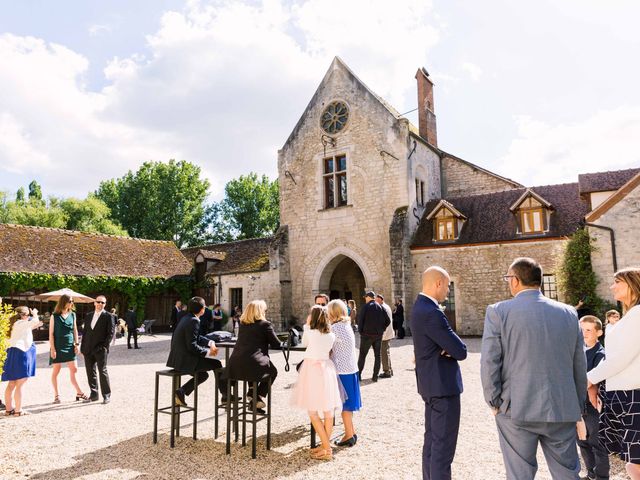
{"points": [[533, 362]]}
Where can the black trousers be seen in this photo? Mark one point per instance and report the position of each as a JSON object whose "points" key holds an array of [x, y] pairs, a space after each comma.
{"points": [[263, 387], [594, 455], [366, 342], [91, 360], [204, 365], [441, 425], [132, 332]]}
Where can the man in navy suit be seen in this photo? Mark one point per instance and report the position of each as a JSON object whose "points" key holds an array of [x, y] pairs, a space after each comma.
{"points": [[437, 350]]}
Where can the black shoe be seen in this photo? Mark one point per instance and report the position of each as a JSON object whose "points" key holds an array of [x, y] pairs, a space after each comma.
{"points": [[129, 347], [224, 399], [374, 378], [91, 399], [386, 375], [349, 442], [137, 348], [180, 400], [259, 406], [107, 399]]}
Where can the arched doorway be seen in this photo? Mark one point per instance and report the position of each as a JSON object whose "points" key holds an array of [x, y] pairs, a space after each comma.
{"points": [[342, 278]]}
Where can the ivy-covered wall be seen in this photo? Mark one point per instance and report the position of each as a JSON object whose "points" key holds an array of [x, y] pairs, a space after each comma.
{"points": [[135, 289]]}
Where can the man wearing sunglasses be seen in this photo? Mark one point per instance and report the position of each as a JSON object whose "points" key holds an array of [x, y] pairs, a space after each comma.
{"points": [[99, 328]]}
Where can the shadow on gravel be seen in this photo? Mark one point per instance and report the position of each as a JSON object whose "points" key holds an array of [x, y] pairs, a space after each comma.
{"points": [[202, 459]]}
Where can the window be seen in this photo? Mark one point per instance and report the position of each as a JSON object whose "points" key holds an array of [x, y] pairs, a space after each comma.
{"points": [[235, 295], [335, 181], [420, 192], [532, 216], [549, 288], [445, 225]]}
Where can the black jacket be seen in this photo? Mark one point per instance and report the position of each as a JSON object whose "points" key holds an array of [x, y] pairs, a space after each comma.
{"points": [[187, 345], [372, 319], [100, 336], [206, 322], [250, 357], [130, 318]]}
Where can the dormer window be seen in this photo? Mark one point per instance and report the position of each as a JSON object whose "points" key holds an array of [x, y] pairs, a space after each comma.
{"points": [[447, 222], [532, 213]]}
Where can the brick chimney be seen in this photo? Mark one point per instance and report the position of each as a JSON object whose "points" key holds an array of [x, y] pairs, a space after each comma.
{"points": [[426, 115]]}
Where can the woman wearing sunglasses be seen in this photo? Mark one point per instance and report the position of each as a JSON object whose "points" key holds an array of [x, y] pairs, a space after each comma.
{"points": [[63, 339]]}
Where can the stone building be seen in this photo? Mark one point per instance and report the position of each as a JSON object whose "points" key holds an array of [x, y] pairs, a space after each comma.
{"points": [[368, 201]]}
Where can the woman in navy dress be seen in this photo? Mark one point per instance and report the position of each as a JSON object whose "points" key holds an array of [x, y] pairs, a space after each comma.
{"points": [[20, 363]]}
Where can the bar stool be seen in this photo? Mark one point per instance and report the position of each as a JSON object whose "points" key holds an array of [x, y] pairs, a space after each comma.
{"points": [[217, 405], [174, 409], [243, 412]]}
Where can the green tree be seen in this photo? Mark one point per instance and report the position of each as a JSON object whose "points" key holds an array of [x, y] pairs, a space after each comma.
{"points": [[250, 209], [90, 215], [20, 195], [35, 191], [160, 201]]}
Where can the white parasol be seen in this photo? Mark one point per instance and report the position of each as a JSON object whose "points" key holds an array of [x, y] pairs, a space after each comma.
{"points": [[55, 296]]}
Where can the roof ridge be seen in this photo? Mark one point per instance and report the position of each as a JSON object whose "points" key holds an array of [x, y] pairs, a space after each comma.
{"points": [[200, 247], [452, 199], [81, 232]]}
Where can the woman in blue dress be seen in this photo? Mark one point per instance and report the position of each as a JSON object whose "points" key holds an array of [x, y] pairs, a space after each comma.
{"points": [[20, 363]]}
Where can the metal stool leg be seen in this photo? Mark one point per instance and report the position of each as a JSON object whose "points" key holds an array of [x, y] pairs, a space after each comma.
{"points": [[244, 413], [179, 407], [172, 441], [217, 398], [236, 415], [254, 422], [155, 410], [195, 406], [269, 416], [228, 416]]}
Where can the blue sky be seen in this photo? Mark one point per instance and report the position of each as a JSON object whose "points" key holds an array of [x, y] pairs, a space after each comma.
{"points": [[535, 91]]}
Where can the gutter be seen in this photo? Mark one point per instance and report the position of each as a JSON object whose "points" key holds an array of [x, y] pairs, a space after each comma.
{"points": [[612, 238]]}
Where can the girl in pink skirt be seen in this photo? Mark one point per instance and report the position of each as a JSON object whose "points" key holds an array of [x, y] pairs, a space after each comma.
{"points": [[317, 389]]}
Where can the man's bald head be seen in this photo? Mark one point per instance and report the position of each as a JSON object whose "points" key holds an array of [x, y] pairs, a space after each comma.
{"points": [[435, 283]]}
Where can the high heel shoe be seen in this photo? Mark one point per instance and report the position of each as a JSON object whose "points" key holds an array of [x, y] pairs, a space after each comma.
{"points": [[81, 396], [56, 400]]}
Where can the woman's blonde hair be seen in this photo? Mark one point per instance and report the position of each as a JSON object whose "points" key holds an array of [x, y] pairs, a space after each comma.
{"points": [[337, 311], [319, 319], [256, 310], [18, 312], [62, 304], [630, 276]]}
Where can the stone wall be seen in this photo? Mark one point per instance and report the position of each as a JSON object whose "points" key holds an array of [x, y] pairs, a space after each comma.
{"points": [[255, 286], [379, 180], [476, 272], [624, 218], [462, 179]]}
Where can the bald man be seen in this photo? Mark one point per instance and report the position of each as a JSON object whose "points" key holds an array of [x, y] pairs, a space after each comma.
{"points": [[437, 350]]}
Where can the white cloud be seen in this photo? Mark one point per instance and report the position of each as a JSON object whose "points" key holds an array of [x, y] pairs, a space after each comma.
{"points": [[98, 29], [545, 154], [473, 70], [222, 85]]}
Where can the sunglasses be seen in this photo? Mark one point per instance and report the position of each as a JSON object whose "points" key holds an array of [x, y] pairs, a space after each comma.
{"points": [[98, 301]]}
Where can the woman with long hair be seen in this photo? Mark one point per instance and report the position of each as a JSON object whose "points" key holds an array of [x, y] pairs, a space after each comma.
{"points": [[250, 358], [620, 416], [20, 363], [64, 345], [317, 387], [343, 355]]}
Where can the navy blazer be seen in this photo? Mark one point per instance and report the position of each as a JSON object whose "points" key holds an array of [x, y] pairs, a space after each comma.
{"points": [[187, 345], [437, 375]]}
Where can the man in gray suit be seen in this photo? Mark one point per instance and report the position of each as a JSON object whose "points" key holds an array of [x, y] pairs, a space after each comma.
{"points": [[533, 371]]}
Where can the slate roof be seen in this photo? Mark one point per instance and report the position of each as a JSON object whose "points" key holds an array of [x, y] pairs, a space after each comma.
{"points": [[605, 181], [242, 256], [56, 251], [489, 218]]}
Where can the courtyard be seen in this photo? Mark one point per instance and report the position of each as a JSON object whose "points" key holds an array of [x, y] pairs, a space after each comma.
{"points": [[95, 441]]}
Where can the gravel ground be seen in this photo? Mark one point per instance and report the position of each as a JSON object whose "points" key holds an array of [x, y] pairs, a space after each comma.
{"points": [[95, 441]]}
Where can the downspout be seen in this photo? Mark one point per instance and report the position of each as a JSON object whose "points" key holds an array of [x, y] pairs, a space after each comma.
{"points": [[612, 237]]}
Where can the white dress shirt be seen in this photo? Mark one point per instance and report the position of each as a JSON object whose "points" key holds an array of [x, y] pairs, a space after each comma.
{"points": [[94, 320]]}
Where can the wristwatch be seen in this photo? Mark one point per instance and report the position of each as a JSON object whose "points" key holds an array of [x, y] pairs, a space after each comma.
{"points": [[76, 344]]}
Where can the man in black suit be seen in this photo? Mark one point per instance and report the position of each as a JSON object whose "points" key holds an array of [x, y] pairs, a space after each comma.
{"points": [[437, 350], [398, 319], [206, 322], [372, 322], [99, 328], [191, 352], [175, 312], [132, 327]]}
